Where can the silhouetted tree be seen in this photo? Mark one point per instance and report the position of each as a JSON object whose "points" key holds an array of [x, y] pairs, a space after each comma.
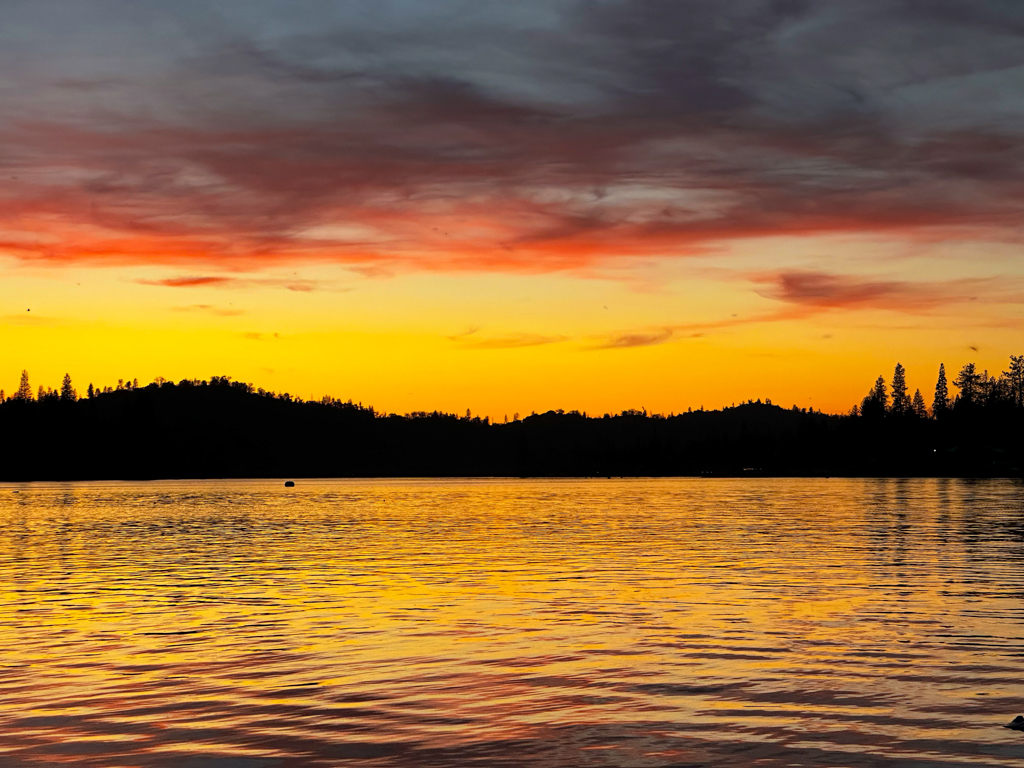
{"points": [[876, 403], [67, 391], [970, 383], [1015, 379], [917, 405], [223, 428], [24, 393], [991, 390], [940, 405], [91, 392], [900, 399]]}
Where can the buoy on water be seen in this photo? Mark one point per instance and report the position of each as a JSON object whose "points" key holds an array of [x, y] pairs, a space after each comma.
{"points": [[289, 484]]}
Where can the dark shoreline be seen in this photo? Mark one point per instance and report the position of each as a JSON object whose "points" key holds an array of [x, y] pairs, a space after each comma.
{"points": [[226, 430]]}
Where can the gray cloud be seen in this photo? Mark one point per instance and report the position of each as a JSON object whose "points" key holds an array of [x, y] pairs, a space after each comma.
{"points": [[823, 291], [493, 135]]}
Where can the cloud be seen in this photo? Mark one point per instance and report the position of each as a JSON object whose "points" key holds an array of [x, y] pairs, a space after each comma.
{"points": [[514, 137], [255, 336], [464, 334], [27, 318], [699, 330], [188, 282], [810, 293], [511, 342], [291, 284], [301, 286], [824, 291], [211, 309], [629, 340]]}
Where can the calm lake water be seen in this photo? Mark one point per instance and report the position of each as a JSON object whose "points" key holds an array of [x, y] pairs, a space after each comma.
{"points": [[512, 623]]}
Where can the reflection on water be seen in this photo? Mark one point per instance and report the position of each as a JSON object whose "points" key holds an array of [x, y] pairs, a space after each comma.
{"points": [[512, 623]]}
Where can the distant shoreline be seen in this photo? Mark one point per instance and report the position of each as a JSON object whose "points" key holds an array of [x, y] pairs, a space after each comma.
{"points": [[228, 430]]}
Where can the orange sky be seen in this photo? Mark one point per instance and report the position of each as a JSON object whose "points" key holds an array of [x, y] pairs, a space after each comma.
{"points": [[553, 205], [662, 337]]}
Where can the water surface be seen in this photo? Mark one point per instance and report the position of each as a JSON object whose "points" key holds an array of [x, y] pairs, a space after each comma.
{"points": [[512, 623]]}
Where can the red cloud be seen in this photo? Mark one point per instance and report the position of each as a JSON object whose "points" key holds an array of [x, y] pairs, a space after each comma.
{"points": [[821, 291], [522, 190], [218, 281], [188, 282]]}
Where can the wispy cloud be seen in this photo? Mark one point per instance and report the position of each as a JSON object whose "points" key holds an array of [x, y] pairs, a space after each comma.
{"points": [[211, 309], [641, 339], [824, 291], [471, 339], [513, 341], [256, 336], [464, 334], [29, 318], [188, 282], [220, 281]]}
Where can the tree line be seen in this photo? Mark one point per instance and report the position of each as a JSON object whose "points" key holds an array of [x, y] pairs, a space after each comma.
{"points": [[222, 428], [977, 389], [68, 394]]}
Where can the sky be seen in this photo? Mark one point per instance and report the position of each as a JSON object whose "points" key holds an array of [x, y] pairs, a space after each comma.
{"points": [[512, 206]]}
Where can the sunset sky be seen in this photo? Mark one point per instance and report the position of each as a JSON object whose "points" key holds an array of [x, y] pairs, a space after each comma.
{"points": [[512, 206]]}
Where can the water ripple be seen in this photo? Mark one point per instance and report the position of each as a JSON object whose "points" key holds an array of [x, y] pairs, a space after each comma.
{"points": [[512, 623]]}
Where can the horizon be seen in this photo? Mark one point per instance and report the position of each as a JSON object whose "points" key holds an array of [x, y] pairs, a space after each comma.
{"points": [[132, 383], [41, 391]]}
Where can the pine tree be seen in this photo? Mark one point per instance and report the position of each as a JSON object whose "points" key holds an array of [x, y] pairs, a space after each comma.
{"points": [[24, 392], [970, 383], [900, 399], [67, 391], [940, 404], [876, 403], [1016, 378], [917, 406], [91, 391]]}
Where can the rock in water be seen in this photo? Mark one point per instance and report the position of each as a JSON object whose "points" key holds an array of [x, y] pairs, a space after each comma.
{"points": [[1017, 723], [289, 484]]}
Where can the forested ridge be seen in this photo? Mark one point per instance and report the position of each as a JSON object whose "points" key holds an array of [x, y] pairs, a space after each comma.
{"points": [[223, 428]]}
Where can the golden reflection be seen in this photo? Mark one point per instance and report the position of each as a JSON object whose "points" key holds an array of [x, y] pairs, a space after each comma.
{"points": [[819, 622]]}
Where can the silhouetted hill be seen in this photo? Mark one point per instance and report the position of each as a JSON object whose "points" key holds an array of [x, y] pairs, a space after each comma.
{"points": [[225, 429]]}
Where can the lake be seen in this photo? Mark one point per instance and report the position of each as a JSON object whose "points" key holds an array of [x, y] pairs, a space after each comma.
{"points": [[549, 623]]}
